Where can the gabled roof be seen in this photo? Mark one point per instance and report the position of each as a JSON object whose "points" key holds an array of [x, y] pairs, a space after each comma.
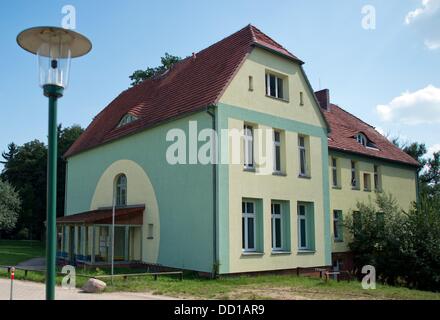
{"points": [[345, 126], [189, 86]]}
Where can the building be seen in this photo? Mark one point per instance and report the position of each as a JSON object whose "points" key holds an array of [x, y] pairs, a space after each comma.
{"points": [[225, 216]]}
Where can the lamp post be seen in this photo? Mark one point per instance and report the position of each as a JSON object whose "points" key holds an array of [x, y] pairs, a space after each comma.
{"points": [[54, 47]]}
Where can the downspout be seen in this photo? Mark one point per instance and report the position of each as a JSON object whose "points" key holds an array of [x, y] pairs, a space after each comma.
{"points": [[211, 111]]}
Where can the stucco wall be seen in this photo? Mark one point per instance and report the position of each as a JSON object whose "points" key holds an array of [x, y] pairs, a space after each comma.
{"points": [[239, 105], [399, 180], [178, 198]]}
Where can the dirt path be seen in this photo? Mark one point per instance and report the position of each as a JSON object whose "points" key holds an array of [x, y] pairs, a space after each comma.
{"points": [[27, 290]]}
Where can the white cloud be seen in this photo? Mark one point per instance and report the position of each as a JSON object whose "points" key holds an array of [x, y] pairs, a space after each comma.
{"points": [[426, 20], [432, 149], [412, 108]]}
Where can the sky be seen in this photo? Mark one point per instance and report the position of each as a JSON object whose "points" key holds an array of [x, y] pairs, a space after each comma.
{"points": [[380, 59]]}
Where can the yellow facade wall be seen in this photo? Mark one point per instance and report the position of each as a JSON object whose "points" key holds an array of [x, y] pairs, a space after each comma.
{"points": [[265, 188], [256, 65], [399, 180], [139, 191], [289, 188]]}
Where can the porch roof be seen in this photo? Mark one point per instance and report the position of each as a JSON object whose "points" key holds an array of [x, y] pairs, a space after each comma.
{"points": [[132, 215]]}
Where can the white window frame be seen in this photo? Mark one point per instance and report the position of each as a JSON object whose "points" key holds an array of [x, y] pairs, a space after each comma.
{"points": [[362, 139], [276, 151], [302, 218], [247, 215], [376, 178], [335, 172], [248, 142], [268, 93], [367, 181], [275, 217], [118, 192], [302, 150], [337, 225], [353, 174]]}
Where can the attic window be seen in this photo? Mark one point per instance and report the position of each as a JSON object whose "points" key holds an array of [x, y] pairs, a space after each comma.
{"points": [[127, 119], [362, 139]]}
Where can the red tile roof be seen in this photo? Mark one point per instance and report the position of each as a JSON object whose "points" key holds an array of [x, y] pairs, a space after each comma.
{"points": [[344, 126], [126, 215], [191, 85]]}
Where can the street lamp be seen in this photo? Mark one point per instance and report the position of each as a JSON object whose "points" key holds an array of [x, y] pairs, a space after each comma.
{"points": [[54, 47]]}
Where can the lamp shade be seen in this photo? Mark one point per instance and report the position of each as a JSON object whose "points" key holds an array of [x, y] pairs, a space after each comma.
{"points": [[54, 47]]}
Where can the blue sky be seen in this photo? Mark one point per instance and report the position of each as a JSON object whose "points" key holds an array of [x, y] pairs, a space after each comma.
{"points": [[388, 76]]}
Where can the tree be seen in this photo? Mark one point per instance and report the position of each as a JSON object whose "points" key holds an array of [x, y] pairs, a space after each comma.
{"points": [[26, 171], [12, 150], [66, 137], [403, 246], [9, 206], [167, 62]]}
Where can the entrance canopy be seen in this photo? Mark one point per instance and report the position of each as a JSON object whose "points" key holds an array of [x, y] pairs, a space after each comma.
{"points": [[131, 215]]}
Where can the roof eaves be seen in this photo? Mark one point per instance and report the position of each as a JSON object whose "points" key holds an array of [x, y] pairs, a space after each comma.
{"points": [[257, 44], [375, 157]]}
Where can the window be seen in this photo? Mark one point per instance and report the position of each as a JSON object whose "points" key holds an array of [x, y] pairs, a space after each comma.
{"points": [[362, 139], [248, 226], [251, 83], [301, 98], [377, 185], [302, 156], [121, 190], [248, 147], [353, 174], [127, 119], [150, 231], [274, 86], [302, 227], [367, 182], [277, 227], [337, 225], [335, 172], [277, 151]]}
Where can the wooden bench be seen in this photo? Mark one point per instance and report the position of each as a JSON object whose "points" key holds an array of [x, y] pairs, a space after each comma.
{"points": [[331, 273], [321, 271]]}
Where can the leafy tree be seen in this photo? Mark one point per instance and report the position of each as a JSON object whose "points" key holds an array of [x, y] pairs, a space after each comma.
{"points": [[167, 62], [403, 246], [9, 206], [25, 168], [66, 137]]}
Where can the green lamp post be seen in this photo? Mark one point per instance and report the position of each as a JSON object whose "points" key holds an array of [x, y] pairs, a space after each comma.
{"points": [[54, 47]]}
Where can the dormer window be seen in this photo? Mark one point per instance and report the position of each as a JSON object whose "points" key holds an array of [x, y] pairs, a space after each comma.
{"points": [[362, 139], [127, 119]]}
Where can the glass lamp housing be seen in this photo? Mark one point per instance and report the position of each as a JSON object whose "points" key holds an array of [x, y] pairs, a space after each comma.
{"points": [[54, 64], [55, 47]]}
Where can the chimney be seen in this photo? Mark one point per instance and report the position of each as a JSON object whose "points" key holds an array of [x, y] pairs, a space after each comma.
{"points": [[323, 97], [194, 56]]}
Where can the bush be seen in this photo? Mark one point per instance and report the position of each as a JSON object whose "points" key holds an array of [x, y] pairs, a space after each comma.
{"points": [[403, 246]]}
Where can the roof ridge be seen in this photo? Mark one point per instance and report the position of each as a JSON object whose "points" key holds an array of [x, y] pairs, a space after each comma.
{"points": [[271, 39]]}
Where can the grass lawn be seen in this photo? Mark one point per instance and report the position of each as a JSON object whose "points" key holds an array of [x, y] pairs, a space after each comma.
{"points": [[283, 287], [244, 287], [13, 252]]}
